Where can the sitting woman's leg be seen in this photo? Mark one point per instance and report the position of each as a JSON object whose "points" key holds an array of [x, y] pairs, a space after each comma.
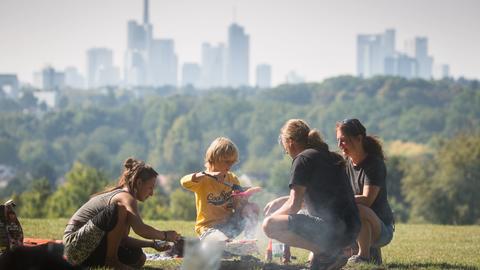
{"points": [[133, 257], [111, 225], [114, 238], [369, 231]]}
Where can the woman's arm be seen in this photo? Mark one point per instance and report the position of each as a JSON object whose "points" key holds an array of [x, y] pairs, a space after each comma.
{"points": [[368, 195], [294, 202], [136, 243], [136, 222]]}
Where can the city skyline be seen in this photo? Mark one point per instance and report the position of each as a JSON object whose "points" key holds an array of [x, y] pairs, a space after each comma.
{"points": [[316, 39]]}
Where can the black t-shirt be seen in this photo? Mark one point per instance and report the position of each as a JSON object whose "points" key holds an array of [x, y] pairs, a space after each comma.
{"points": [[328, 193], [372, 171]]}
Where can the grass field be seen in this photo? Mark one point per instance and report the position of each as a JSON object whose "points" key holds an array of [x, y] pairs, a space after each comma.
{"points": [[413, 246]]}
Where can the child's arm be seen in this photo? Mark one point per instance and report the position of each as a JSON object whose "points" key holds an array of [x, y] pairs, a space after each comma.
{"points": [[191, 181]]}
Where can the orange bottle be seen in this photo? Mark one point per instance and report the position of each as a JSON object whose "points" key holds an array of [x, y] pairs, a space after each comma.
{"points": [[268, 252]]}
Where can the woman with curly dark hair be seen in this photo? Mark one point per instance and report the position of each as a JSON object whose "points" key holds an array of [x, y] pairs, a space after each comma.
{"points": [[366, 169]]}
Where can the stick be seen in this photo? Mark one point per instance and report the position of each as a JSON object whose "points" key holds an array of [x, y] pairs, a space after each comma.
{"points": [[228, 184]]}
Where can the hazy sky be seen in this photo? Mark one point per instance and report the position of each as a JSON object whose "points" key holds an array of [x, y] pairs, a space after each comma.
{"points": [[316, 38]]}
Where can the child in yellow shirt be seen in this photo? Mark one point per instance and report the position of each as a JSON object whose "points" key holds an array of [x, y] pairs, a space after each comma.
{"points": [[220, 215]]}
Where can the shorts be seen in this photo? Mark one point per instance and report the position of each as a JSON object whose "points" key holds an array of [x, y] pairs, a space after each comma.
{"points": [[386, 235], [223, 231], [330, 236], [87, 245]]}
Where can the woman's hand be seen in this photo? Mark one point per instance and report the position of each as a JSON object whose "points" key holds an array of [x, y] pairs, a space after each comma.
{"points": [[272, 206], [160, 246], [171, 236]]}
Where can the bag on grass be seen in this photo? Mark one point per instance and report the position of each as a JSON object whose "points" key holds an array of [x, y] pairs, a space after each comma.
{"points": [[11, 233]]}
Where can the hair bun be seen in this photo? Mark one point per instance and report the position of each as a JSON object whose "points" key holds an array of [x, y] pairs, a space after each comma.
{"points": [[129, 163]]}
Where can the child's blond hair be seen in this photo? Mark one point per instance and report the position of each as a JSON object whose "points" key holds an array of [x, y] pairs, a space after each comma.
{"points": [[221, 149]]}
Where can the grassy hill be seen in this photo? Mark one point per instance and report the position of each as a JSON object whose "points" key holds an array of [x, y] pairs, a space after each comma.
{"points": [[413, 246]]}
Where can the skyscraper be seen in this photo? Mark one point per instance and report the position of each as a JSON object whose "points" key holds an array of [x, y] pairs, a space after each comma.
{"points": [[191, 73], [162, 63], [238, 56], [376, 55], [100, 69], [372, 51], [49, 79], [139, 38], [149, 61], [73, 78], [445, 71], [213, 66], [424, 61], [263, 74], [9, 84]]}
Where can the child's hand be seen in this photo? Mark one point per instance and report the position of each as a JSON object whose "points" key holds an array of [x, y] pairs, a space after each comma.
{"points": [[248, 192]]}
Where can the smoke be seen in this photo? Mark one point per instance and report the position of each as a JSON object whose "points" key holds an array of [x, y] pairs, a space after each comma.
{"points": [[202, 255]]}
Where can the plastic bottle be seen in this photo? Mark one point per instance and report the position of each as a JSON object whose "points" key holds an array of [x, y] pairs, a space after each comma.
{"points": [[268, 252]]}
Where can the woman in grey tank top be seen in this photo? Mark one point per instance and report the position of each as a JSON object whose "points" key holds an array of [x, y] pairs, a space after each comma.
{"points": [[97, 233]]}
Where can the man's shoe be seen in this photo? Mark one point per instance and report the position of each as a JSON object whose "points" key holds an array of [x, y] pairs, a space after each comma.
{"points": [[333, 262]]}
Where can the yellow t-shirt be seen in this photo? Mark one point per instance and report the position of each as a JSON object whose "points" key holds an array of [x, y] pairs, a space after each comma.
{"points": [[213, 200]]}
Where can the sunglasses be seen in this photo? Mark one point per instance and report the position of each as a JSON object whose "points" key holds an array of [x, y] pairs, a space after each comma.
{"points": [[354, 127]]}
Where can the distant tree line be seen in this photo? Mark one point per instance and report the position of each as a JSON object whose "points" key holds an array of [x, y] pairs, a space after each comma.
{"points": [[83, 143]]}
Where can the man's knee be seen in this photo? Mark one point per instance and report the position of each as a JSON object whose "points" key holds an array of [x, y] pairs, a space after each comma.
{"points": [[268, 227]]}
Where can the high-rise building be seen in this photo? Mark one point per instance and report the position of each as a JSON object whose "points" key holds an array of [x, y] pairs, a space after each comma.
{"points": [[191, 73], [136, 36], [263, 74], [213, 66], [149, 61], [445, 69], [9, 85], [424, 61], [441, 71], [376, 55], [137, 62], [238, 56], [73, 78], [135, 72], [372, 50], [406, 66], [162, 63], [100, 69], [49, 79], [388, 43]]}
